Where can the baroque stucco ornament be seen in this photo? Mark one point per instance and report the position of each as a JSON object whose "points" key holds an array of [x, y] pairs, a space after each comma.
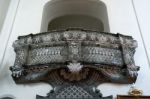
{"points": [[74, 60]]}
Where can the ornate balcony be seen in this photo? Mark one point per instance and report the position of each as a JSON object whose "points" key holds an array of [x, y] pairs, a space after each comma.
{"points": [[75, 56]]}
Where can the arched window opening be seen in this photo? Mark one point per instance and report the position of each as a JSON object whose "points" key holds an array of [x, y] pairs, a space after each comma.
{"points": [[64, 14]]}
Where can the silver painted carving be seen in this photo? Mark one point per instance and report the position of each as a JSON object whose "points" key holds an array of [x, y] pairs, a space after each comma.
{"points": [[75, 46], [74, 61], [75, 67]]}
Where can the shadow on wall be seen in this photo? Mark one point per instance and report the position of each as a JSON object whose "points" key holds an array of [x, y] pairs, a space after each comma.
{"points": [[76, 21], [8, 97], [86, 14]]}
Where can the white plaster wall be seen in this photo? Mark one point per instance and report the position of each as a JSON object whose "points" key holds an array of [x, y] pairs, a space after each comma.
{"points": [[7, 27], [4, 4], [142, 10], [28, 18]]}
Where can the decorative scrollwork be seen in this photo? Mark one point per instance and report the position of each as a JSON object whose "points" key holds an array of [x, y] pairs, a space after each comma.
{"points": [[74, 57]]}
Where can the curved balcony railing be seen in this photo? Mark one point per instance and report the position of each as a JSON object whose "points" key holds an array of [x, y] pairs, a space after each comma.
{"points": [[75, 49]]}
